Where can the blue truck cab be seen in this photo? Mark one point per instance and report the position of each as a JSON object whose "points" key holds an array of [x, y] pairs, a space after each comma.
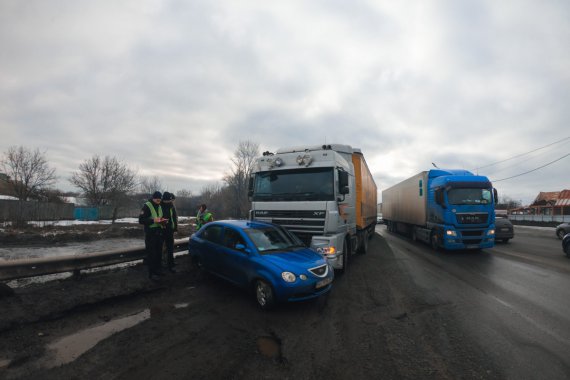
{"points": [[461, 210], [450, 209]]}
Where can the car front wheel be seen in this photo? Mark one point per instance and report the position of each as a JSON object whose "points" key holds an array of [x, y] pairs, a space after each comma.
{"points": [[264, 295]]}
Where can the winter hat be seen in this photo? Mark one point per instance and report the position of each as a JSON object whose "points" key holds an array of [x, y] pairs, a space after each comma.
{"points": [[167, 196], [157, 195]]}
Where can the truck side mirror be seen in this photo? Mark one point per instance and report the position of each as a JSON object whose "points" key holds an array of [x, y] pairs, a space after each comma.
{"points": [[439, 198], [250, 187], [496, 195], [343, 182]]}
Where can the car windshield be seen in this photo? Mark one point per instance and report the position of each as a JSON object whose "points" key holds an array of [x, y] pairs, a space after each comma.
{"points": [[268, 239], [461, 196]]}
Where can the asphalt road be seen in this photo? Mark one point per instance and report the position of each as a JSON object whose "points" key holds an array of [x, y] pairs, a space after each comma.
{"points": [[512, 299], [402, 311]]}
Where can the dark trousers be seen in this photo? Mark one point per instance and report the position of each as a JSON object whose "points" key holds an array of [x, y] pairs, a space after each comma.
{"points": [[169, 243], [153, 244]]}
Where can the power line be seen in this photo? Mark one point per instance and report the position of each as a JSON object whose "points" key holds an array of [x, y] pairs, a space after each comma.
{"points": [[522, 154], [533, 170]]}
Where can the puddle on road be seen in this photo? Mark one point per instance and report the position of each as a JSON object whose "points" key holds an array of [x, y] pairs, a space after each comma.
{"points": [[69, 348], [269, 346]]}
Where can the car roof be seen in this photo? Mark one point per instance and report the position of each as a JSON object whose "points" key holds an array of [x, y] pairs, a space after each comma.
{"points": [[243, 224]]}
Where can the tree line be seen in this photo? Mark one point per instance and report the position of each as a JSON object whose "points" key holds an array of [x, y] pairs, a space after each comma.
{"points": [[109, 181]]}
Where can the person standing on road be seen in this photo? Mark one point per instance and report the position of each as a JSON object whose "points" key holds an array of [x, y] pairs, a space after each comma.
{"points": [[171, 227], [151, 217], [204, 216]]}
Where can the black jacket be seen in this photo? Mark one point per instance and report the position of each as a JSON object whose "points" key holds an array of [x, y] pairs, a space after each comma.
{"points": [[145, 217], [172, 219]]}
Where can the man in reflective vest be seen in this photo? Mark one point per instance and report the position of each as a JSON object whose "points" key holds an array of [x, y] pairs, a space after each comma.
{"points": [[171, 227], [154, 224], [204, 216]]}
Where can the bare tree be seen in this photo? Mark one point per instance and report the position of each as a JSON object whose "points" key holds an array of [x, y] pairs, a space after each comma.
{"points": [[150, 184], [237, 180], [105, 181], [28, 171], [184, 193], [507, 203]]}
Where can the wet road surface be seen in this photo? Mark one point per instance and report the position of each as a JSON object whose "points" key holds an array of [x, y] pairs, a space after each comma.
{"points": [[401, 311]]}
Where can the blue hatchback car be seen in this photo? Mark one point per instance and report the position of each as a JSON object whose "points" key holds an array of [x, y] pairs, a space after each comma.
{"points": [[263, 257]]}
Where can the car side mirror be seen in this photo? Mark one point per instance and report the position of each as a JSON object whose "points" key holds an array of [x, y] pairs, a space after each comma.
{"points": [[242, 248]]}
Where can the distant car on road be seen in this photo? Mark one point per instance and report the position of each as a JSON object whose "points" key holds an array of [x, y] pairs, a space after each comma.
{"points": [[566, 244], [562, 229], [503, 229], [379, 220], [263, 257]]}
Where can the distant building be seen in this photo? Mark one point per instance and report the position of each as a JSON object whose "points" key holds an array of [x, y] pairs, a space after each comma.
{"points": [[6, 186], [551, 203], [562, 205]]}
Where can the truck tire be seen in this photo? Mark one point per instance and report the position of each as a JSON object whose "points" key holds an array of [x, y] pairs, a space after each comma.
{"points": [[364, 246], [345, 255], [434, 241]]}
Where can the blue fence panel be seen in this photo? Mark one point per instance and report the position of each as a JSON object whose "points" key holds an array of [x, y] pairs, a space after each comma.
{"points": [[86, 213]]}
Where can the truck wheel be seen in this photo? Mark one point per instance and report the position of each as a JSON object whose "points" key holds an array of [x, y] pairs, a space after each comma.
{"points": [[344, 257], [364, 246], [434, 241]]}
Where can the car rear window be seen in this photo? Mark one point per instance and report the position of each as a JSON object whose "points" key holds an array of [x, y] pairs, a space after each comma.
{"points": [[213, 234]]}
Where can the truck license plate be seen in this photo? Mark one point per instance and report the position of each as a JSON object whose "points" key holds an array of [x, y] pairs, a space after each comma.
{"points": [[324, 282]]}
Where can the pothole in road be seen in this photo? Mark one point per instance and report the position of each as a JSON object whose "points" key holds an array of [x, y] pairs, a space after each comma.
{"points": [[4, 363], [270, 346]]}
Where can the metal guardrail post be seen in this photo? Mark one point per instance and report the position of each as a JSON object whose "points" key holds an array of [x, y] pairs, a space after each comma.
{"points": [[11, 270]]}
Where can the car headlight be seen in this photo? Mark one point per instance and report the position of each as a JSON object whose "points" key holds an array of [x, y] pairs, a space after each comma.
{"points": [[288, 277], [450, 233], [491, 232]]}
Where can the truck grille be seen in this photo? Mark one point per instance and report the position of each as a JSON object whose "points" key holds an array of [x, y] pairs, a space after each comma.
{"points": [[304, 223], [472, 236], [290, 214], [472, 218]]}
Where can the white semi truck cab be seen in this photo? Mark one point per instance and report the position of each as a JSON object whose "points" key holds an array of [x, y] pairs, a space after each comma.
{"points": [[315, 192]]}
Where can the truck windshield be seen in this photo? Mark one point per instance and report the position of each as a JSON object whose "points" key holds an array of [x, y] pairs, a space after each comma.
{"points": [[469, 196], [313, 184]]}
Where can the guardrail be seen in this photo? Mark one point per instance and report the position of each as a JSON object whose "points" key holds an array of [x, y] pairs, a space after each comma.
{"points": [[541, 218], [11, 270]]}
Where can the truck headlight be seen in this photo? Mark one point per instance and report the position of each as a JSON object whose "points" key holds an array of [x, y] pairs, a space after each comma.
{"points": [[490, 232], [450, 233], [326, 250], [288, 277]]}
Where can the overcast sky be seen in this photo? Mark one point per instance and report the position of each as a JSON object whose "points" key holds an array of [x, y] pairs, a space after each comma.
{"points": [[170, 87]]}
